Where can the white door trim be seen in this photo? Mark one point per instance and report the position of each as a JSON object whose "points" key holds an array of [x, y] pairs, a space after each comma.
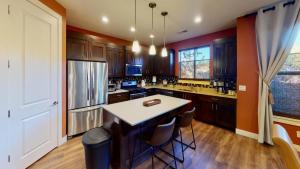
{"points": [[60, 139]]}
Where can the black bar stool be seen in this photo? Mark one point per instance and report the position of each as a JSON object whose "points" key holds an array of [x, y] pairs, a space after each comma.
{"points": [[185, 120], [160, 137]]}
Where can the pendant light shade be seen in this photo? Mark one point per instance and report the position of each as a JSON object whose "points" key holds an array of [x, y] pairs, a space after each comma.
{"points": [[164, 52], [152, 49], [136, 48]]}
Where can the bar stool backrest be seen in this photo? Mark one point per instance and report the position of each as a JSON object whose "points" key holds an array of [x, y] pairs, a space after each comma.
{"points": [[286, 149], [163, 133], [186, 118]]}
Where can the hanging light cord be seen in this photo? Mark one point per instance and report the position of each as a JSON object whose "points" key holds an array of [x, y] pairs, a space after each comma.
{"points": [[134, 14], [164, 31], [152, 20], [152, 27]]}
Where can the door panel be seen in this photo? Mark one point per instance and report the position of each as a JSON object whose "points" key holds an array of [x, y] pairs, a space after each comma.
{"points": [[35, 66], [78, 84], [33, 82], [98, 83], [36, 127]]}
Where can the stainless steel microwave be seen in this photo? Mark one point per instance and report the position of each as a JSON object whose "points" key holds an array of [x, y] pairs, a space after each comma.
{"points": [[133, 70]]}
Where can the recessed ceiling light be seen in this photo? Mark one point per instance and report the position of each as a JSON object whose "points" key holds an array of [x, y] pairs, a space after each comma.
{"points": [[132, 29], [105, 19], [151, 36], [197, 19]]}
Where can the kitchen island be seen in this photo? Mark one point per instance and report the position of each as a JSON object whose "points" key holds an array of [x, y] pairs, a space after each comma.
{"points": [[130, 119]]}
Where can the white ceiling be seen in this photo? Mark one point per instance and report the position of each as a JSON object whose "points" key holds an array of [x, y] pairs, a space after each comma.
{"points": [[216, 15]]}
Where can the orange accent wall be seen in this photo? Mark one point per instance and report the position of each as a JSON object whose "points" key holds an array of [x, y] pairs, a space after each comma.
{"points": [[58, 8], [199, 41], [247, 68]]}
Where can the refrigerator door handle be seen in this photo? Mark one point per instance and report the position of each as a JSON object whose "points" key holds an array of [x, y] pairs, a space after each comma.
{"points": [[88, 88]]}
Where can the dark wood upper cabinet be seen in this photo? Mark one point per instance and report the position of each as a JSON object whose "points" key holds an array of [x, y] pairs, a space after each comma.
{"points": [[115, 57], [84, 47], [224, 52], [164, 66], [147, 64], [77, 49], [98, 52]]}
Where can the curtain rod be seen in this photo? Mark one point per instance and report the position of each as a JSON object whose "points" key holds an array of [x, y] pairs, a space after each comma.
{"points": [[272, 8]]}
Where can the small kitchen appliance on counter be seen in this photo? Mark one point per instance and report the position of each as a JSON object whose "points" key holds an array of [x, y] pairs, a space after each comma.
{"points": [[112, 87]]}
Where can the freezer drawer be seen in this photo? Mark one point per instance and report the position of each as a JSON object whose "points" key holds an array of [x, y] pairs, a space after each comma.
{"points": [[81, 120]]}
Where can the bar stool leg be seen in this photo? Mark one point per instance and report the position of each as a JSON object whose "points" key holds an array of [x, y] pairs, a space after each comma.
{"points": [[181, 143], [174, 154], [152, 157], [194, 141]]}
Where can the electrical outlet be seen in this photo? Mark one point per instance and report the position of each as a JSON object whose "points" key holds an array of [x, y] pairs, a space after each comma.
{"points": [[298, 134], [242, 88]]}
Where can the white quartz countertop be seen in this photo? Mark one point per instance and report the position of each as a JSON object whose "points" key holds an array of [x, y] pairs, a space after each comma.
{"points": [[133, 112]]}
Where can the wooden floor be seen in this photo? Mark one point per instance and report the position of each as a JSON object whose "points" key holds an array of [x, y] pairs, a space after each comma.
{"points": [[216, 149]]}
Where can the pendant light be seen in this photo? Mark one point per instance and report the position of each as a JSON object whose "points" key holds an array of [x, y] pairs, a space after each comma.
{"points": [[164, 52], [135, 45], [152, 49]]}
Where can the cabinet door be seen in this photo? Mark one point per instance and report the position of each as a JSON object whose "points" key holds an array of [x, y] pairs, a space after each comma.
{"points": [[116, 98], [226, 114], [225, 58], [129, 57], [110, 61], [230, 57], [171, 64], [77, 49], [218, 60], [205, 110], [97, 51], [119, 57], [147, 64]]}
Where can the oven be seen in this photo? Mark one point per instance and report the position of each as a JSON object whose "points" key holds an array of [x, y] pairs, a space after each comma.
{"points": [[134, 91]]}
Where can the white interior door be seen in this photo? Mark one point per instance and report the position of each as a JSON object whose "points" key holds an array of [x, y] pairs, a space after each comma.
{"points": [[4, 130], [33, 83]]}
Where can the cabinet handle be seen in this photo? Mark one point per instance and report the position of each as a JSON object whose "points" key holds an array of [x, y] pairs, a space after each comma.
{"points": [[212, 106], [216, 107]]}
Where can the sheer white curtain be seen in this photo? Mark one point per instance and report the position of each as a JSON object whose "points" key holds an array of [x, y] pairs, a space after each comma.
{"points": [[275, 34]]}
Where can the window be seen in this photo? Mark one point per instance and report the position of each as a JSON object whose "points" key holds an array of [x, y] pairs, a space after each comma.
{"points": [[286, 85], [194, 63]]}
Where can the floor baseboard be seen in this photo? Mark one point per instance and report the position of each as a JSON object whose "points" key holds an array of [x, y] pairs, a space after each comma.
{"points": [[246, 133]]}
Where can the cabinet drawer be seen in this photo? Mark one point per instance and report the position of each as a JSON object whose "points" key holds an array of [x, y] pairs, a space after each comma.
{"points": [[118, 97]]}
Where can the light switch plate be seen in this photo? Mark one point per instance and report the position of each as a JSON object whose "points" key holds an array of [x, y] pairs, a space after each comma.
{"points": [[242, 88], [298, 134]]}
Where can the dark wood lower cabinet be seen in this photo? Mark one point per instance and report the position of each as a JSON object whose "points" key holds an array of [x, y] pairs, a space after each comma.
{"points": [[118, 97], [226, 113], [205, 109], [214, 110]]}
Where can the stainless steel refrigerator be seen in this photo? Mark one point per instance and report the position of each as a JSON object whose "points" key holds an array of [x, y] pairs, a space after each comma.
{"points": [[87, 90]]}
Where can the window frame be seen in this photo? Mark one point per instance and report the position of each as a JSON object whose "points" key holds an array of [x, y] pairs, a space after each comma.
{"points": [[285, 114], [195, 48]]}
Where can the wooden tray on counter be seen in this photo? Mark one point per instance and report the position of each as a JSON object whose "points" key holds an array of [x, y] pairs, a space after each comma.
{"points": [[152, 102]]}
